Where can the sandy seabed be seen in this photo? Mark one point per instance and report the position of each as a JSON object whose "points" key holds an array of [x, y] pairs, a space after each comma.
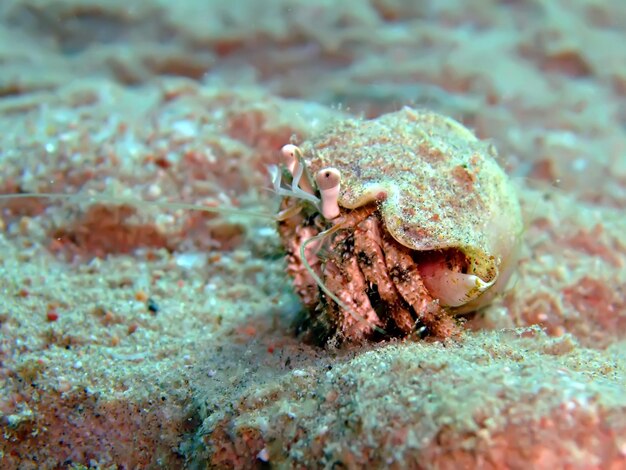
{"points": [[138, 336]]}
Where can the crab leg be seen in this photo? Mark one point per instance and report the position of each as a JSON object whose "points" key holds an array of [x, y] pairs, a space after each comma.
{"points": [[371, 260], [344, 278], [406, 278]]}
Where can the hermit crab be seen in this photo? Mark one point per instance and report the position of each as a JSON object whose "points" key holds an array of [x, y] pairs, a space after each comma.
{"points": [[395, 225], [392, 226]]}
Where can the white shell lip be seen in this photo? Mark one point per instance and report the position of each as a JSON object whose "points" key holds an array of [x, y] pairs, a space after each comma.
{"points": [[372, 192]]}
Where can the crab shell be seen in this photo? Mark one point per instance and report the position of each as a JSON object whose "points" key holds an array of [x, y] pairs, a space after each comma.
{"points": [[442, 189]]}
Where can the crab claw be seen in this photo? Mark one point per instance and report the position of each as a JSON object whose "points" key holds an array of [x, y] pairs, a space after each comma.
{"points": [[452, 288], [328, 181]]}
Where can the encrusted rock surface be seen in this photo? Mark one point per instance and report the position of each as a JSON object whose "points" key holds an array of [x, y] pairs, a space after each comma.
{"points": [[143, 336]]}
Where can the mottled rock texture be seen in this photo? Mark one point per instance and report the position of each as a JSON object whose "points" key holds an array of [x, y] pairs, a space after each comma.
{"points": [[142, 336]]}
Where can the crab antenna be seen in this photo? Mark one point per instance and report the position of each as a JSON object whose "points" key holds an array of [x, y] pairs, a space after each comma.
{"points": [[79, 197], [328, 181]]}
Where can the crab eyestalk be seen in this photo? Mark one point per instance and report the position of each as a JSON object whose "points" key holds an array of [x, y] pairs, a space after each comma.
{"points": [[289, 157], [328, 182], [292, 157]]}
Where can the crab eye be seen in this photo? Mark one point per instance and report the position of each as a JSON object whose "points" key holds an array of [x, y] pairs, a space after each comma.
{"points": [[328, 178]]}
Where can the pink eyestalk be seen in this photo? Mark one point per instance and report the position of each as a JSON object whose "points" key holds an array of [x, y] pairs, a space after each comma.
{"points": [[328, 181], [292, 157], [289, 157]]}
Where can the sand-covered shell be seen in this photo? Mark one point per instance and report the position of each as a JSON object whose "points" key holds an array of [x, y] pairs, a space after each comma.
{"points": [[444, 188]]}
